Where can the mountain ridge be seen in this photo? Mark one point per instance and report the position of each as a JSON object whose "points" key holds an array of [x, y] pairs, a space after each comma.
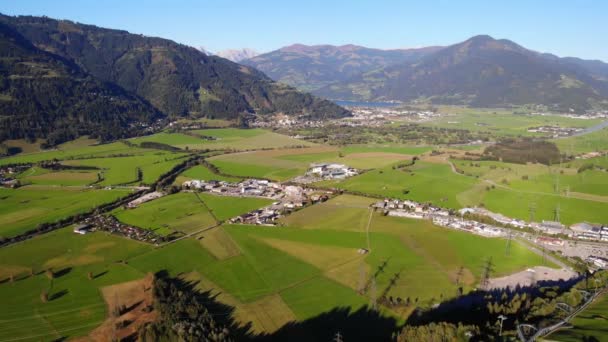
{"points": [[311, 67], [480, 71]]}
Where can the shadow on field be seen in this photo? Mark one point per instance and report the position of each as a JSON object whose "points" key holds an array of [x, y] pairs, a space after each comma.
{"points": [[62, 272], [58, 295], [472, 308], [360, 325], [100, 274]]}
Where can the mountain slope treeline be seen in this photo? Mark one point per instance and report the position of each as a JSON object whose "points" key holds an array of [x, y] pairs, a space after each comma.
{"points": [[158, 75], [42, 95]]}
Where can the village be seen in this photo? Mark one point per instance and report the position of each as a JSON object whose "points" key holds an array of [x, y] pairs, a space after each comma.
{"points": [[555, 131], [468, 219], [288, 197]]}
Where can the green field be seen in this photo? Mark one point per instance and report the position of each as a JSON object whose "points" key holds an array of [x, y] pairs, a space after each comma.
{"points": [[24, 208], [123, 170], [596, 141], [226, 207], [501, 123], [580, 196], [423, 182], [75, 306], [73, 151], [288, 163], [182, 212], [590, 325], [41, 176], [187, 212], [226, 138]]}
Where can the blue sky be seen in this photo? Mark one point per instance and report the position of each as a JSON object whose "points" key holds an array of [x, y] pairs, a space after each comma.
{"points": [[566, 28]]}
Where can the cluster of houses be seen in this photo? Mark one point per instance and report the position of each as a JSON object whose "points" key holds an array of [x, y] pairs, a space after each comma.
{"points": [[7, 173], [443, 217], [555, 131], [287, 197], [263, 216], [587, 231], [440, 216], [599, 262], [331, 171], [247, 188], [269, 215], [109, 223]]}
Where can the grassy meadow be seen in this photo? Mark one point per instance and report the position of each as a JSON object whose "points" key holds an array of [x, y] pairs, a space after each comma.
{"points": [[502, 123], [74, 305], [25, 208], [224, 139], [423, 182]]}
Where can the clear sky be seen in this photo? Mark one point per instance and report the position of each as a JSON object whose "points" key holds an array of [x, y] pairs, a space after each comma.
{"points": [[566, 28]]}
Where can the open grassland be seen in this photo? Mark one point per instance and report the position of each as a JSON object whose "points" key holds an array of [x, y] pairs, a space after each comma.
{"points": [[590, 325], [268, 164], [225, 139], [41, 176], [174, 139], [595, 141], [423, 182], [501, 123], [24, 208], [75, 151], [571, 210], [512, 189], [74, 305], [187, 212], [226, 207], [123, 170], [288, 163], [182, 212]]}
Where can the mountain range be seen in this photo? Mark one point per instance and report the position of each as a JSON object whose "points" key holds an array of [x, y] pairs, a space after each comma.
{"points": [[312, 67], [70, 79], [481, 71]]}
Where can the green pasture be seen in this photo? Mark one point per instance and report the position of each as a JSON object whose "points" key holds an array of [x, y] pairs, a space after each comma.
{"points": [[75, 151], [40, 176], [595, 141], [181, 212], [75, 304], [123, 170], [512, 189], [226, 207], [423, 182], [501, 123], [225, 138], [25, 208]]}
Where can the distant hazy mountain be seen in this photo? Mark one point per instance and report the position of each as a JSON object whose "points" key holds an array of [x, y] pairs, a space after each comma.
{"points": [[237, 55], [482, 71], [313, 67], [67, 74]]}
